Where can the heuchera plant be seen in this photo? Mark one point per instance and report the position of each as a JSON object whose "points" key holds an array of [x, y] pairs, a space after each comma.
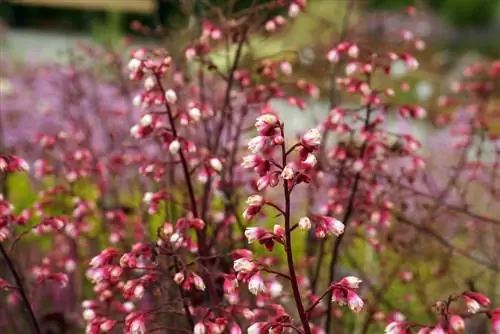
{"points": [[174, 200]]}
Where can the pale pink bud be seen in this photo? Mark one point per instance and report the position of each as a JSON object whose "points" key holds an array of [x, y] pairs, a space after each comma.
{"points": [[457, 323], [304, 223], [351, 68], [139, 291], [134, 65], [263, 182], [253, 234], [472, 305], [287, 173], [171, 96], [265, 122], [198, 282], [190, 54], [334, 226], [243, 265], [179, 278], [353, 51], [354, 302], [216, 164], [195, 114], [279, 231], [312, 138], [88, 314], [199, 328], [146, 120], [333, 56], [351, 281], [256, 284], [270, 26], [149, 83], [255, 200], [107, 325], [310, 161], [137, 326], [293, 10], [251, 161], [174, 147], [394, 327], [256, 144], [286, 68]]}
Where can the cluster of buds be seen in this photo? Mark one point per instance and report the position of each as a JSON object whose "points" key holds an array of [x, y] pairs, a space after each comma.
{"points": [[324, 225], [344, 48], [451, 323], [12, 163], [344, 293], [265, 238], [50, 224], [153, 200], [44, 272]]}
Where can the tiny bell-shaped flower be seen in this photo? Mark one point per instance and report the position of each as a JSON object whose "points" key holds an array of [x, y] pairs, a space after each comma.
{"points": [[334, 226], [256, 328], [256, 284], [394, 327], [174, 147], [216, 164], [199, 328], [287, 173], [243, 265], [253, 234], [279, 231], [179, 278], [198, 282], [266, 122], [256, 144], [255, 200], [311, 138], [171, 96], [304, 223], [149, 83], [351, 281], [354, 302], [457, 323], [309, 162]]}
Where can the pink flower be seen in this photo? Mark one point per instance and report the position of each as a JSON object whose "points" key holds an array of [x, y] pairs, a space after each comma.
{"points": [[266, 122], [257, 144], [354, 302], [457, 323], [394, 327], [304, 223], [256, 328], [351, 281], [311, 139], [251, 161], [199, 328], [333, 226], [253, 234], [287, 173], [256, 284], [198, 282], [243, 265]]}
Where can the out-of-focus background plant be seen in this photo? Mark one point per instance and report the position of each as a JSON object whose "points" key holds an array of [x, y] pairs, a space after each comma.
{"points": [[414, 235]]}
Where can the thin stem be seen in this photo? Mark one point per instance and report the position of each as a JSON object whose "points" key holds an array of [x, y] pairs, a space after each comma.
{"points": [[22, 292], [202, 244], [348, 213], [184, 302], [288, 249]]}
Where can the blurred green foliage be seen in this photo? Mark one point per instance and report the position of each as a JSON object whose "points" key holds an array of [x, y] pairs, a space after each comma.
{"points": [[460, 13]]}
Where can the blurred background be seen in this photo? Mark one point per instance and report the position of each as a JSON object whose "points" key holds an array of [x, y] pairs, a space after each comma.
{"points": [[459, 24]]}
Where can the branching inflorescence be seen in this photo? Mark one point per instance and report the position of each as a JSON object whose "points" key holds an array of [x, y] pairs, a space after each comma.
{"points": [[142, 192]]}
